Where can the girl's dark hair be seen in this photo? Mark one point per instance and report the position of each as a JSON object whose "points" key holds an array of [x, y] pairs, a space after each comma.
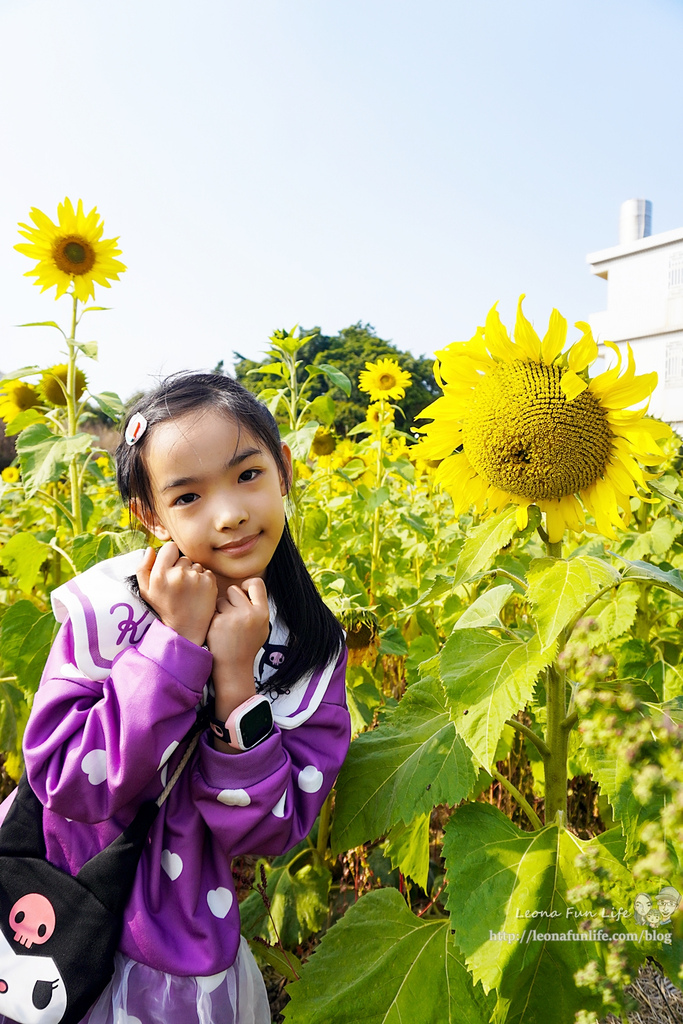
{"points": [[314, 634]]}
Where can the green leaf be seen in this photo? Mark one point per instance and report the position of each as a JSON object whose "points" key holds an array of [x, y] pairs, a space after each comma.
{"points": [[110, 404], [300, 440], [487, 679], [382, 965], [376, 497], [485, 611], [483, 543], [23, 420], [285, 963], [45, 456], [41, 323], [615, 615], [337, 377], [646, 573], [560, 589], [95, 309], [322, 409], [412, 761], [277, 368], [363, 697], [503, 885], [23, 371], [88, 348], [89, 549], [407, 847], [298, 898], [26, 636], [23, 556], [656, 541], [392, 642]]}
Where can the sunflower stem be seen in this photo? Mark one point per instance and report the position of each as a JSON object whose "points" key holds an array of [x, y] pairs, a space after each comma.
{"points": [[557, 741], [72, 422], [522, 801]]}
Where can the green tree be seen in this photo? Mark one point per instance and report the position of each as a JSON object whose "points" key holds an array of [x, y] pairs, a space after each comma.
{"points": [[350, 350]]}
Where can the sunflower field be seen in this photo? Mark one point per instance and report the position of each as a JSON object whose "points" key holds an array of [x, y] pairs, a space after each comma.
{"points": [[505, 839]]}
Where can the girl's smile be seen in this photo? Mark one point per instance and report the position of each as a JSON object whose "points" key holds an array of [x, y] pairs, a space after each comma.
{"points": [[217, 494]]}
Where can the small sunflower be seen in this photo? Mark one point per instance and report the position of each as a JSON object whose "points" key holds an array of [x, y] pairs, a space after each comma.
{"points": [[71, 250], [379, 413], [324, 442], [52, 389], [521, 422], [362, 635], [16, 397], [11, 474], [384, 379]]}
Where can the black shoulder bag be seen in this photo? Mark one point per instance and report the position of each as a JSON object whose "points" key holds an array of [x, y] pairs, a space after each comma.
{"points": [[58, 933]]}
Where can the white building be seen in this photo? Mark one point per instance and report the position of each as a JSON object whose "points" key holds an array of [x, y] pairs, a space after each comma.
{"points": [[644, 275]]}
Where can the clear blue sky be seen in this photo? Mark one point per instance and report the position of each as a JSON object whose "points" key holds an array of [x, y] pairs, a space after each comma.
{"points": [[326, 161]]}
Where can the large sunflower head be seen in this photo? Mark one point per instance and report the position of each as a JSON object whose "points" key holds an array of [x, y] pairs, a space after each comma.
{"points": [[520, 421], [71, 250], [53, 384], [384, 379], [16, 397]]}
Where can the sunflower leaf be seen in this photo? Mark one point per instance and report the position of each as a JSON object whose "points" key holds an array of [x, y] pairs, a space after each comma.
{"points": [[483, 543], [382, 965], [110, 404], [298, 902], [560, 589], [506, 887], [22, 557], [485, 611], [413, 760], [647, 573], [43, 323], [45, 456], [24, 371], [337, 377], [487, 679], [407, 847]]}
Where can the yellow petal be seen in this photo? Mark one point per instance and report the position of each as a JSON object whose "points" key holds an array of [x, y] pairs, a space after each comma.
{"points": [[497, 338], [525, 335], [572, 385], [584, 351], [555, 337]]}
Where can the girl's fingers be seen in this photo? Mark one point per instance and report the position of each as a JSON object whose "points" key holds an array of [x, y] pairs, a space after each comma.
{"points": [[146, 567], [167, 556], [255, 588]]}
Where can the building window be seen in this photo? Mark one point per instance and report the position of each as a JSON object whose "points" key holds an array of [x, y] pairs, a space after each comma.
{"points": [[673, 374], [676, 273]]}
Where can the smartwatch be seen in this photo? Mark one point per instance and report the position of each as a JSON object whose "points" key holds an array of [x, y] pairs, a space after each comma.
{"points": [[249, 724]]}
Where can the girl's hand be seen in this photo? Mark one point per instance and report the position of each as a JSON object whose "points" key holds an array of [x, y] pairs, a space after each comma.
{"points": [[237, 631], [181, 592]]}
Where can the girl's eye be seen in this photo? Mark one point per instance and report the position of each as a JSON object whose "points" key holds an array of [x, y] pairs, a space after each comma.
{"points": [[186, 499], [249, 475]]}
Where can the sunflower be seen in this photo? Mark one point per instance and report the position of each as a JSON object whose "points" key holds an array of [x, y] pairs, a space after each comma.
{"points": [[53, 390], [324, 442], [10, 474], [384, 379], [521, 422], [71, 250], [16, 397], [379, 414]]}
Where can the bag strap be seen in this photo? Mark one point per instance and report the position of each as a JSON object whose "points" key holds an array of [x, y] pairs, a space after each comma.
{"points": [[163, 797]]}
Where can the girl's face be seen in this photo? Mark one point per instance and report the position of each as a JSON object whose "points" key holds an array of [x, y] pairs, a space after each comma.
{"points": [[217, 493]]}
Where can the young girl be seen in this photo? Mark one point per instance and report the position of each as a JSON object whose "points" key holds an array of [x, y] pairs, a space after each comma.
{"points": [[229, 613]]}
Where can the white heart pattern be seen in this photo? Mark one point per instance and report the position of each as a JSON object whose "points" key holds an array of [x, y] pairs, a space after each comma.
{"points": [[279, 809], [209, 982], [310, 779], [234, 797], [219, 900], [172, 863], [94, 764]]}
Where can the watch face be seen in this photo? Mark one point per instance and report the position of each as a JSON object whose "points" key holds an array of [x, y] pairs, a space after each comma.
{"points": [[255, 724]]}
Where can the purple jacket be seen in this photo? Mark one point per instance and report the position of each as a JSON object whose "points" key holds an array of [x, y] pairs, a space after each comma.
{"points": [[95, 748]]}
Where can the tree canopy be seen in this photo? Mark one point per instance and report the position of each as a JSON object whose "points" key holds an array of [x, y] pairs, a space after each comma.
{"points": [[350, 350]]}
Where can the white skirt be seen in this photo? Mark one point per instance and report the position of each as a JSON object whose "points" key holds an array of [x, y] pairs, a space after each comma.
{"points": [[138, 994]]}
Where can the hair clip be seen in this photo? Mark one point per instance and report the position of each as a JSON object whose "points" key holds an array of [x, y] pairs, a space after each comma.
{"points": [[135, 428]]}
